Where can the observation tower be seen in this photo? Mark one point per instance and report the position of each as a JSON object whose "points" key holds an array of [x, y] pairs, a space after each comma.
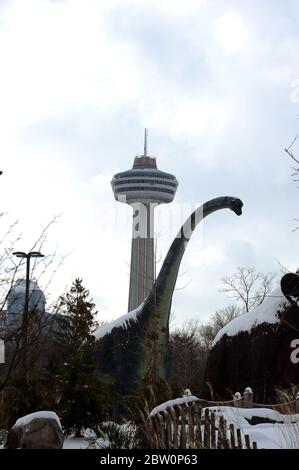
{"points": [[143, 187]]}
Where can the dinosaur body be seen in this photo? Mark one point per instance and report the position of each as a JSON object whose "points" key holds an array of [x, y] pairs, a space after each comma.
{"points": [[259, 349]]}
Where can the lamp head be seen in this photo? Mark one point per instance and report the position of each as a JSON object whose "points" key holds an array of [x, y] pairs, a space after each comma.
{"points": [[35, 254], [20, 254]]}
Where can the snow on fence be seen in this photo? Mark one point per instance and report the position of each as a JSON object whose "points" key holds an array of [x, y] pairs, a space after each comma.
{"points": [[188, 423]]}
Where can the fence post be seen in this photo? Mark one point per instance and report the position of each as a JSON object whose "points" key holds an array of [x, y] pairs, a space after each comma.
{"points": [[175, 439], [213, 430], [2, 352], [191, 425], [247, 441], [198, 434], [207, 433], [237, 399], [239, 438], [297, 403], [183, 437], [162, 436], [168, 430], [232, 436], [248, 397]]}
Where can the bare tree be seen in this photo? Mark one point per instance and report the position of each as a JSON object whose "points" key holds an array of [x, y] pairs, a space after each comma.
{"points": [[12, 373], [208, 331], [248, 287], [10, 267], [290, 153], [188, 358], [295, 169], [190, 346]]}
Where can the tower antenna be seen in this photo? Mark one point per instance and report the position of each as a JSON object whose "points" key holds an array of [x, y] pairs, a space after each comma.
{"points": [[145, 142]]}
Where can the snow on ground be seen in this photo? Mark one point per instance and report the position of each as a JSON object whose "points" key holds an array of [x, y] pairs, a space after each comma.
{"points": [[82, 443], [232, 412], [274, 436], [123, 321], [264, 313], [75, 443], [266, 435], [39, 414]]}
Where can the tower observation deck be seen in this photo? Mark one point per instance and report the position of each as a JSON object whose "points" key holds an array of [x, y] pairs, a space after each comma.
{"points": [[143, 187]]}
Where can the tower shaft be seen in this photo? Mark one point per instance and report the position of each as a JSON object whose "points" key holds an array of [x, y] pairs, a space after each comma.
{"points": [[142, 254]]}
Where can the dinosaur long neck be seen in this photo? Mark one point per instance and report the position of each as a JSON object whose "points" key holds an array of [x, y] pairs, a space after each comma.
{"points": [[131, 353], [160, 297]]}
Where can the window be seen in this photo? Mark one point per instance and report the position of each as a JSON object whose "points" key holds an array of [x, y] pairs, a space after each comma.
{"points": [[157, 174], [143, 188], [150, 181]]}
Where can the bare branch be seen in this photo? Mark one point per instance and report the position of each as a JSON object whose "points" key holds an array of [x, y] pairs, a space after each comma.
{"points": [[248, 287], [288, 149]]}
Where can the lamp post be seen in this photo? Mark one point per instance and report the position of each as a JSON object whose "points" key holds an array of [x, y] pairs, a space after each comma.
{"points": [[27, 256]]}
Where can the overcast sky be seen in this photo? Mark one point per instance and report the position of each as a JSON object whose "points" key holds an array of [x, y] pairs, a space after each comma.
{"points": [[217, 85]]}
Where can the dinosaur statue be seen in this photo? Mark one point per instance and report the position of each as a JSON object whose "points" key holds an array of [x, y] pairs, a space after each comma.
{"points": [[259, 349], [136, 343]]}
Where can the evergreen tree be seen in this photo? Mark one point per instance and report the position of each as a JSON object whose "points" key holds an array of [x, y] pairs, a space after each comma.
{"points": [[79, 391]]}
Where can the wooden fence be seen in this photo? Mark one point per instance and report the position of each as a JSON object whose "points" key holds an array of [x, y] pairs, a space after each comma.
{"points": [[189, 427], [188, 423]]}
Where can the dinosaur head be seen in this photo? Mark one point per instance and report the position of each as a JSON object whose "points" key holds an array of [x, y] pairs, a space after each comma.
{"points": [[290, 285], [236, 206]]}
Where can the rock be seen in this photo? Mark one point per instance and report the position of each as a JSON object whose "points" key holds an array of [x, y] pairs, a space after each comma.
{"points": [[41, 430]]}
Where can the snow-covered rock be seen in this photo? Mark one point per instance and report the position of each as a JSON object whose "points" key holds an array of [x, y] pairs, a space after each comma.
{"points": [[40, 430], [25, 420]]}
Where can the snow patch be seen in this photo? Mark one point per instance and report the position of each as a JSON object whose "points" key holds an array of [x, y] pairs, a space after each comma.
{"points": [[266, 435], [235, 415], [121, 322], [25, 420], [264, 313], [75, 443]]}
